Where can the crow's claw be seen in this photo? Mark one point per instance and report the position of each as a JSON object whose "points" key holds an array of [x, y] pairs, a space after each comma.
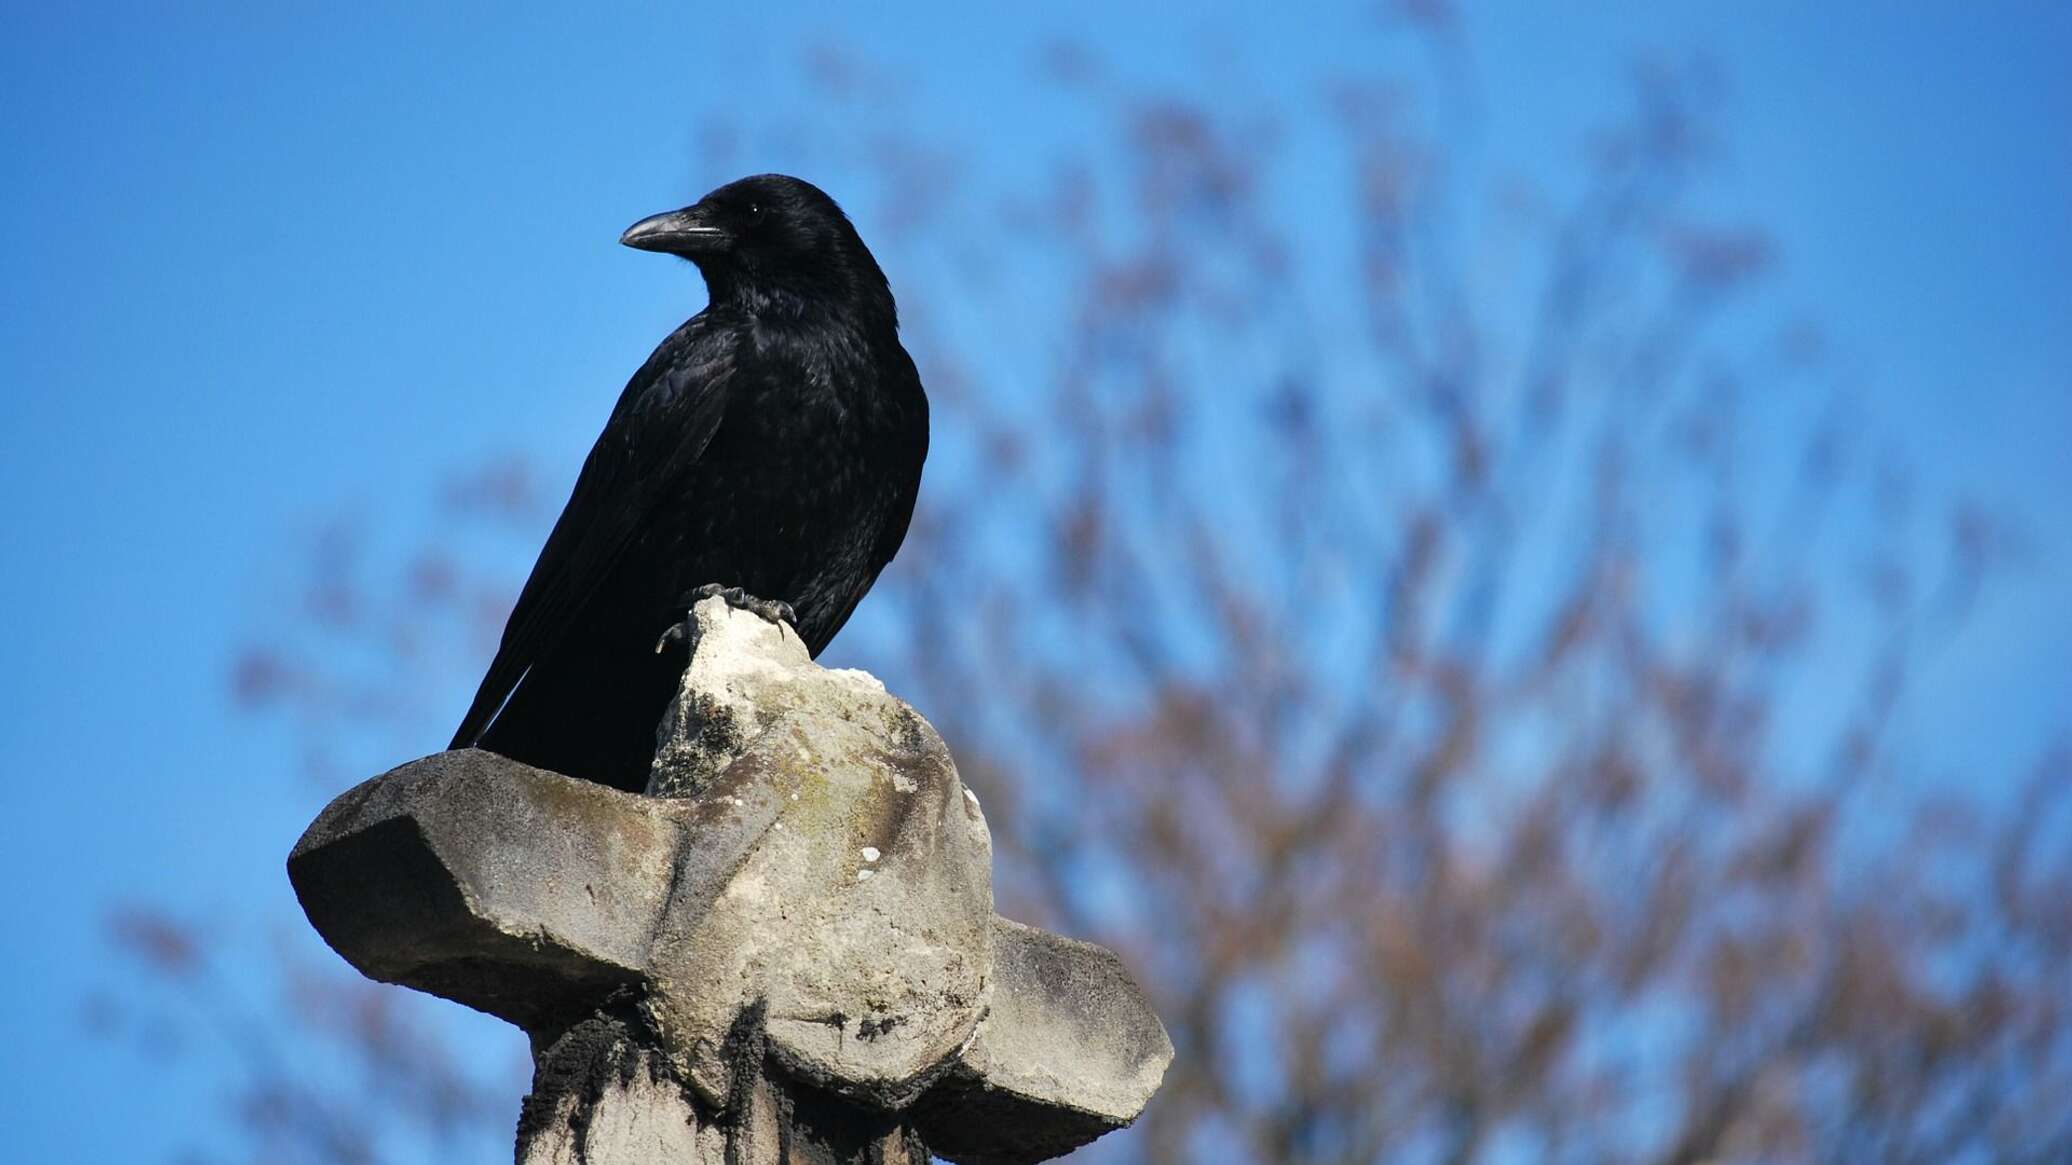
{"points": [[770, 610], [674, 633]]}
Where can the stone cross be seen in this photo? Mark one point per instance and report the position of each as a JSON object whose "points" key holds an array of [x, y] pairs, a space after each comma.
{"points": [[787, 952]]}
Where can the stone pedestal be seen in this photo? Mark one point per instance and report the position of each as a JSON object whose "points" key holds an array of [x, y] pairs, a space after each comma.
{"points": [[787, 952]]}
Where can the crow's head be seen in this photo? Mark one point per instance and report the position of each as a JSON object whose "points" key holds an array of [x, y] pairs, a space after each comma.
{"points": [[770, 243]]}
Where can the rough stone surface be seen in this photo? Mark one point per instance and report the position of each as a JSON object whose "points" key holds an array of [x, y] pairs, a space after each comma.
{"points": [[602, 1093], [744, 675], [791, 956], [513, 890], [862, 916], [1069, 1051]]}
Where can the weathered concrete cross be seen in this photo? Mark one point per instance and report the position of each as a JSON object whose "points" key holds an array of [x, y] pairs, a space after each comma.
{"points": [[787, 953]]}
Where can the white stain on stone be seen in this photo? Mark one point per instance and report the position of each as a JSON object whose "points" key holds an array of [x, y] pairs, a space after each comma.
{"points": [[864, 875], [870, 853]]}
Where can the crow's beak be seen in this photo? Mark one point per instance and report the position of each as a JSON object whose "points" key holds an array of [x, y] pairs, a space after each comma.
{"points": [[679, 232]]}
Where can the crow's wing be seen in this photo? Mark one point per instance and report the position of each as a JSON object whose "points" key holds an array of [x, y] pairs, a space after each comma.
{"points": [[898, 382], [902, 382], [656, 433]]}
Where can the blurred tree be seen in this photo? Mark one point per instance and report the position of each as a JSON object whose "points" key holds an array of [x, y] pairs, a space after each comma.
{"points": [[1451, 646]]}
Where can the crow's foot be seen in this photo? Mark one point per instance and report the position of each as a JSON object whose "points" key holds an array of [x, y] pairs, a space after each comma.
{"points": [[769, 610]]}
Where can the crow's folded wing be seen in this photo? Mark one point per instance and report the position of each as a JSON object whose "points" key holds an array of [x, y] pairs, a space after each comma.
{"points": [[657, 431]]}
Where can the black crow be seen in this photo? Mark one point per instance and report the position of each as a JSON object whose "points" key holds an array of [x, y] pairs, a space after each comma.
{"points": [[769, 450]]}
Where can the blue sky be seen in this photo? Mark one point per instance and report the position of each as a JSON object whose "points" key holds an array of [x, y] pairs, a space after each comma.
{"points": [[259, 264]]}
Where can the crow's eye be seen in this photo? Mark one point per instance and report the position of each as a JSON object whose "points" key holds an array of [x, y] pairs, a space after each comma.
{"points": [[755, 211]]}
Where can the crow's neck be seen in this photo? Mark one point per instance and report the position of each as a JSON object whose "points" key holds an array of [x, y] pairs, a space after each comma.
{"points": [[862, 305]]}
